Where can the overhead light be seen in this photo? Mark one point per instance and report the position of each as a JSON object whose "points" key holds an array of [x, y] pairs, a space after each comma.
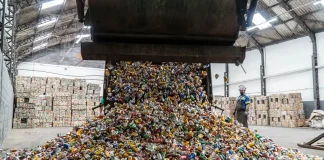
{"points": [[260, 22], [48, 22], [40, 46], [81, 36], [52, 3], [78, 40], [43, 37], [319, 2], [251, 28]]}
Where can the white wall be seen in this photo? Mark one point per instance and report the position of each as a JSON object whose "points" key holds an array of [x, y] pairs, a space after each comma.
{"points": [[91, 75], [320, 52], [218, 84], [288, 68], [6, 101], [250, 79]]}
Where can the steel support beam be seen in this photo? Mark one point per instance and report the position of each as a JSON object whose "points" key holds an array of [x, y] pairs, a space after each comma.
{"points": [[106, 83], [315, 74], [226, 81], [7, 36], [262, 74], [162, 52], [3, 13], [209, 85]]}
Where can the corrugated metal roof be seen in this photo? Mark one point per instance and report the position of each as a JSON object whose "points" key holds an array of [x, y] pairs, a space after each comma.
{"points": [[302, 7], [283, 29], [282, 12], [270, 2]]}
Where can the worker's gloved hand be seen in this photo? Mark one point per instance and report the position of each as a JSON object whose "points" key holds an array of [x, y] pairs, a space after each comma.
{"points": [[246, 113]]}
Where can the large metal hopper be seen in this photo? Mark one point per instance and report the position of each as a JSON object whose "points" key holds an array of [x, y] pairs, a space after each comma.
{"points": [[198, 23]]}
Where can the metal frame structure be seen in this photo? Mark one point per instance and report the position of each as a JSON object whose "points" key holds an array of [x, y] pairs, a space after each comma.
{"points": [[312, 143], [209, 85], [262, 74], [44, 19], [7, 36], [226, 80], [300, 21], [315, 74]]}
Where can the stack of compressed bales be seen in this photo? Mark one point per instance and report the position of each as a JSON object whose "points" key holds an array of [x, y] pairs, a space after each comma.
{"points": [[52, 85], [262, 110], [92, 101], [217, 101], [292, 112], [79, 109], [44, 107], [229, 104], [79, 87], [286, 110], [24, 115], [62, 109], [67, 86], [275, 109], [93, 89], [35, 97], [252, 117]]}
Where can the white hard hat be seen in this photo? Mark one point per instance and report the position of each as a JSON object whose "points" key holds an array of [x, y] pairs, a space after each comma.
{"points": [[242, 88]]}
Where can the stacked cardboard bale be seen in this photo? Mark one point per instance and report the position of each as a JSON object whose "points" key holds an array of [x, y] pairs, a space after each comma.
{"points": [[275, 107], [62, 109], [44, 119], [286, 110], [93, 89], [226, 103], [262, 110], [23, 85], [252, 117], [43, 109], [80, 87], [24, 113], [92, 101], [217, 101], [292, 112], [79, 109], [67, 86], [52, 85], [47, 102], [230, 106]]}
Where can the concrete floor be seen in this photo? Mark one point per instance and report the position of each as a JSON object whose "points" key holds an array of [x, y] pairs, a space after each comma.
{"points": [[289, 137], [286, 137], [30, 138]]}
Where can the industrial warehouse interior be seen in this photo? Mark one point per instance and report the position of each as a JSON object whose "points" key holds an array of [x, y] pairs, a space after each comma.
{"points": [[164, 80]]}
